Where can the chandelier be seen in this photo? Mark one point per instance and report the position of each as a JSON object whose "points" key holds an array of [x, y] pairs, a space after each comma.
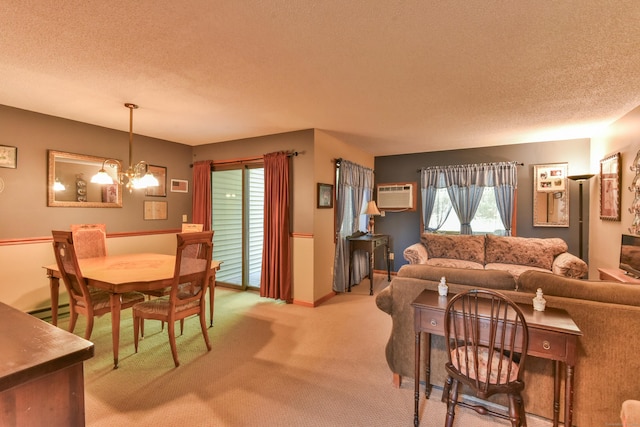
{"points": [[136, 176]]}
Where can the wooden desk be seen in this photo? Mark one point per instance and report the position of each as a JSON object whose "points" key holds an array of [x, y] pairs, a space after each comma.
{"points": [[41, 374], [617, 275], [369, 243], [124, 273], [552, 335]]}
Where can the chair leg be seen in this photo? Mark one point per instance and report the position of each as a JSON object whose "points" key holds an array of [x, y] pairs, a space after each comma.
{"points": [[445, 390], [87, 332], [72, 320], [518, 415], [172, 342], [451, 404], [136, 330], [205, 334]]}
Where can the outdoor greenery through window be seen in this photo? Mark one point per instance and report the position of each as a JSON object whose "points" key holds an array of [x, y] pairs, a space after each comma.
{"points": [[486, 220]]}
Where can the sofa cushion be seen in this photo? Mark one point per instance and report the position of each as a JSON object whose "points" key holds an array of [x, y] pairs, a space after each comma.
{"points": [[457, 246], [453, 263], [515, 269], [523, 250], [490, 279]]}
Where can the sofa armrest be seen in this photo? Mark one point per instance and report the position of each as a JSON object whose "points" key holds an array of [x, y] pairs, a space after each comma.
{"points": [[384, 300], [416, 254], [569, 265]]}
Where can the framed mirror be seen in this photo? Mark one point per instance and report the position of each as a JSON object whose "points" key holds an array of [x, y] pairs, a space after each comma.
{"points": [[550, 195], [69, 182]]}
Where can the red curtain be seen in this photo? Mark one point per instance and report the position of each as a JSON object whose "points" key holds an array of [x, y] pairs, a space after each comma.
{"points": [[275, 281], [201, 208]]}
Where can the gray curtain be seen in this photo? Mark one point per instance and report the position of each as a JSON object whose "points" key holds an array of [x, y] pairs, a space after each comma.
{"points": [[355, 182], [465, 185], [430, 183]]}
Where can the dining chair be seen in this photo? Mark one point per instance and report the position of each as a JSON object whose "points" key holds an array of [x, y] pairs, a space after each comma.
{"points": [[190, 228], [487, 340], [90, 240], [188, 290], [82, 300]]}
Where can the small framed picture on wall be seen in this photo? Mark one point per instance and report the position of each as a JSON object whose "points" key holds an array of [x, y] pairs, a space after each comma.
{"points": [[325, 196]]}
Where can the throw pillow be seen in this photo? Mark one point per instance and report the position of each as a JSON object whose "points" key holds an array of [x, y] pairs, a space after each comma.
{"points": [[457, 246], [524, 250]]}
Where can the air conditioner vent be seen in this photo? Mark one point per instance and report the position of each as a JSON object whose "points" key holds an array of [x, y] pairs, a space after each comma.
{"points": [[395, 196]]}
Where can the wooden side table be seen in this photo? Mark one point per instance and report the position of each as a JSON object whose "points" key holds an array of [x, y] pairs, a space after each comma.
{"points": [[617, 275], [369, 243]]}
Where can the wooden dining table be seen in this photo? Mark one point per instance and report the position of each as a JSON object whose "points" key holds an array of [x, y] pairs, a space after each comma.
{"points": [[118, 274]]}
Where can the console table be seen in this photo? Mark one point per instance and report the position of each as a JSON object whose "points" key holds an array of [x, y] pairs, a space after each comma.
{"points": [[552, 335], [617, 275], [41, 377], [369, 243]]}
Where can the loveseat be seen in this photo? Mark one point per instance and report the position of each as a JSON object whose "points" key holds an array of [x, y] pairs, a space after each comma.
{"points": [[490, 252], [608, 314]]}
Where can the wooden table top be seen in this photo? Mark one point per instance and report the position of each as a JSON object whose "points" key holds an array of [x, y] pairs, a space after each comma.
{"points": [[552, 319], [32, 347]]}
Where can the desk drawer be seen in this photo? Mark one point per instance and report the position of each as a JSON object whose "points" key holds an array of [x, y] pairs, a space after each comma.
{"points": [[431, 322], [547, 344]]}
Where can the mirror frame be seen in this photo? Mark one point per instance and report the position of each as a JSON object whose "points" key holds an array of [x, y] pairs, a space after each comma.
{"points": [[51, 178], [550, 179]]}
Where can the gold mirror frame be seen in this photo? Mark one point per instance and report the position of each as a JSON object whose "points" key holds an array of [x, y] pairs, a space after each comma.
{"points": [[74, 171], [551, 195]]}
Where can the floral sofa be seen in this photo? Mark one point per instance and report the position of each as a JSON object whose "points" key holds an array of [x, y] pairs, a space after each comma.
{"points": [[489, 252]]}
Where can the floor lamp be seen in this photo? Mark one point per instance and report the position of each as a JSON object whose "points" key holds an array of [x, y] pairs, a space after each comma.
{"points": [[580, 179]]}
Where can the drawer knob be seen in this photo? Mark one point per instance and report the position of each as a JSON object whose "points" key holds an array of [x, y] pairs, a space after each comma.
{"points": [[546, 345], [434, 322]]}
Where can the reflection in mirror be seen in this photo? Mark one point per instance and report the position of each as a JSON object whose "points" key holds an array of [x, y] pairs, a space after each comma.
{"points": [[550, 195], [69, 182]]}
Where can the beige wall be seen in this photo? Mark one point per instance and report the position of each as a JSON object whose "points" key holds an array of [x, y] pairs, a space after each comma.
{"points": [[622, 137], [328, 148]]}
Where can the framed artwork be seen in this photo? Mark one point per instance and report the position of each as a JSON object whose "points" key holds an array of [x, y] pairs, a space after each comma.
{"points": [[610, 175], [179, 186], [155, 210], [8, 157], [160, 172], [325, 196], [551, 178]]}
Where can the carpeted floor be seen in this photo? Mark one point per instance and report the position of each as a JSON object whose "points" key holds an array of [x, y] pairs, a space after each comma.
{"points": [[272, 364]]}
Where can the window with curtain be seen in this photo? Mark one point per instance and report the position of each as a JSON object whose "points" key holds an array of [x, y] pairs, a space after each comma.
{"points": [[467, 199]]}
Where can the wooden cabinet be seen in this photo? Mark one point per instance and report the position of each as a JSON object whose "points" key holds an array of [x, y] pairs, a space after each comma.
{"points": [[617, 275], [41, 374]]}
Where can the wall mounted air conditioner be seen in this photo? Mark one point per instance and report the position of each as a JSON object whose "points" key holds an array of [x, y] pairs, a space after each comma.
{"points": [[396, 196]]}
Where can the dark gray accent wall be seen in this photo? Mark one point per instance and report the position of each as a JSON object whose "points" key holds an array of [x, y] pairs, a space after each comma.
{"points": [[404, 227]]}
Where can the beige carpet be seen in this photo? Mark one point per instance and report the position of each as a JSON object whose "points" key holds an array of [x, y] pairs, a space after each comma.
{"points": [[272, 364]]}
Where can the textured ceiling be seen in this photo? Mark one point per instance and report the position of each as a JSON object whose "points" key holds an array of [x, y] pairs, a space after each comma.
{"points": [[389, 77]]}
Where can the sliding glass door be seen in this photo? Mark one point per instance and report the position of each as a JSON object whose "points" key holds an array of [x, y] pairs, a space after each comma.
{"points": [[237, 219]]}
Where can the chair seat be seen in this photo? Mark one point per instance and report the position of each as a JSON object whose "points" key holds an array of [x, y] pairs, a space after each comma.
{"points": [[161, 305], [101, 299], [483, 363]]}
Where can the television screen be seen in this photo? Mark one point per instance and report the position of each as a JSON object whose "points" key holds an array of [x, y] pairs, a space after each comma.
{"points": [[630, 255]]}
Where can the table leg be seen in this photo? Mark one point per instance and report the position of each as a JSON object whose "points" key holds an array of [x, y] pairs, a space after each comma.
{"points": [[427, 367], [371, 267], [115, 326], [416, 375], [568, 397], [556, 393], [388, 264], [350, 264], [212, 289], [54, 285]]}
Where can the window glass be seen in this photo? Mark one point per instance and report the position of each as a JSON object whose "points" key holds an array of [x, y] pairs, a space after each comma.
{"points": [[486, 221]]}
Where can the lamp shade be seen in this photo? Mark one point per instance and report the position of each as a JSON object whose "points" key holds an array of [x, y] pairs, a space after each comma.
{"points": [[371, 209]]}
